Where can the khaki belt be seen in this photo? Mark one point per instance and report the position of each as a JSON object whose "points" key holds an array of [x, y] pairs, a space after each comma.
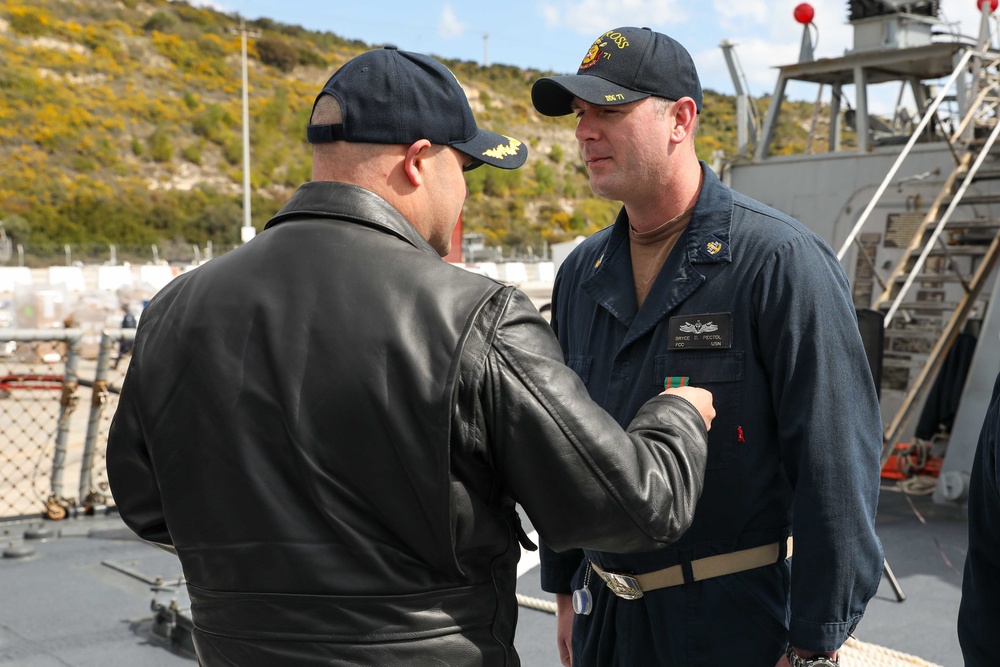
{"points": [[632, 586]]}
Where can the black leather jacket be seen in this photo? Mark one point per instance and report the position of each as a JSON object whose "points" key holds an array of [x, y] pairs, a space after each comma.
{"points": [[332, 426]]}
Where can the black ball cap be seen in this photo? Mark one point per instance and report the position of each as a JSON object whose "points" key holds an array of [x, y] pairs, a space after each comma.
{"points": [[623, 65], [389, 96]]}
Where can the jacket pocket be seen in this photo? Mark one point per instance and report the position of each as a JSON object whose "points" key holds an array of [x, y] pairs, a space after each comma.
{"points": [[722, 374]]}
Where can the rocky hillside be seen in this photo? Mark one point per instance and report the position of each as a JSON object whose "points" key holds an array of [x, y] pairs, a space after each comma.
{"points": [[120, 123]]}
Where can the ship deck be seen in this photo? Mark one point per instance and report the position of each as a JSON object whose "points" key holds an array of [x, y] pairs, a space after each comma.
{"points": [[84, 596]]}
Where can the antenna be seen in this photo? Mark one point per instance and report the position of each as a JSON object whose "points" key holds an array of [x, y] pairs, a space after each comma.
{"points": [[486, 40]]}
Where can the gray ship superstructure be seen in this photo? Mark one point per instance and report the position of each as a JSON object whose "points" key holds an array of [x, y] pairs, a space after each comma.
{"points": [[910, 199]]}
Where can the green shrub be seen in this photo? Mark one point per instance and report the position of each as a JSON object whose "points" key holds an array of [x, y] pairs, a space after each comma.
{"points": [[161, 147], [232, 150], [213, 122], [297, 174], [277, 53], [160, 22], [475, 180], [211, 46], [544, 177], [31, 23], [309, 56], [192, 152], [83, 164]]}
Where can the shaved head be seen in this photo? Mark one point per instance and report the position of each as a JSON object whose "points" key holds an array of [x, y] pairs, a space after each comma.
{"points": [[349, 162]]}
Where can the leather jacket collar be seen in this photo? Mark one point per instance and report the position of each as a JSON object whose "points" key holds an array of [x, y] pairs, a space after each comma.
{"points": [[343, 201]]}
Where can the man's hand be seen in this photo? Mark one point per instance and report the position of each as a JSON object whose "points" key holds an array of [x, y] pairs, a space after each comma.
{"points": [[701, 399], [564, 628]]}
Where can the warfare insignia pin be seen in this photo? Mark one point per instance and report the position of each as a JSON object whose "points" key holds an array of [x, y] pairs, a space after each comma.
{"points": [[714, 246], [698, 327]]}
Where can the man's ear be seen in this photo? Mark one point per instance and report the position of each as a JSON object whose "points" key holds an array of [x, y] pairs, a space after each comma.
{"points": [[413, 163], [685, 113]]}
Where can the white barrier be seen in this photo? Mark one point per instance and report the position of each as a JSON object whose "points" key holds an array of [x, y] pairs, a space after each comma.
{"points": [[112, 278], [489, 269], [70, 276], [515, 272], [155, 275], [12, 276], [546, 272]]}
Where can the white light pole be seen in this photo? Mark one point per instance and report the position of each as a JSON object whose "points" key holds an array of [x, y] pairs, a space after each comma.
{"points": [[248, 231]]}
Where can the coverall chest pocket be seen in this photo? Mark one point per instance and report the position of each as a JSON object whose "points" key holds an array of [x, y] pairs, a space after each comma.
{"points": [[722, 374]]}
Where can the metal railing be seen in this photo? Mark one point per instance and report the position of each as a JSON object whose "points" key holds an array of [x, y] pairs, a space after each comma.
{"points": [[52, 442], [928, 114]]}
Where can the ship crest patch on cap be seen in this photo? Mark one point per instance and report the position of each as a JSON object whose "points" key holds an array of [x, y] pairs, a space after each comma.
{"points": [[594, 54]]}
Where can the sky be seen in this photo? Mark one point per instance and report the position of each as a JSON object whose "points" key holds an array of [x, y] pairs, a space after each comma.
{"points": [[555, 34]]}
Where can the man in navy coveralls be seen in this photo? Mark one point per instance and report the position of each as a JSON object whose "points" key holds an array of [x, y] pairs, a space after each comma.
{"points": [[697, 284]]}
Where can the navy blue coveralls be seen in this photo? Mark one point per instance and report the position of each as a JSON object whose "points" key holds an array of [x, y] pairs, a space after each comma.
{"points": [[755, 308], [979, 613]]}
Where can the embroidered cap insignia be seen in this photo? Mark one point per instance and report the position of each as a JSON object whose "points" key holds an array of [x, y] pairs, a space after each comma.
{"points": [[502, 151]]}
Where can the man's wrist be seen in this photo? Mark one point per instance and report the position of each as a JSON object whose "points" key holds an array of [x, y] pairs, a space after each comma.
{"points": [[801, 658]]}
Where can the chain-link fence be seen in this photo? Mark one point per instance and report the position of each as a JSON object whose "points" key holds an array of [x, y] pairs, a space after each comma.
{"points": [[56, 405]]}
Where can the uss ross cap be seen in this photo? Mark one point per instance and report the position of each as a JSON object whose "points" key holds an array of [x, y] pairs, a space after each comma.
{"points": [[623, 65]]}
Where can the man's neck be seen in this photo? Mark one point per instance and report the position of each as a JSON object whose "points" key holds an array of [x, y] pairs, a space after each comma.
{"points": [[672, 200]]}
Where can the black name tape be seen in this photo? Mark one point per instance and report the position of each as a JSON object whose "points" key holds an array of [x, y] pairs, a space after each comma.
{"points": [[710, 331]]}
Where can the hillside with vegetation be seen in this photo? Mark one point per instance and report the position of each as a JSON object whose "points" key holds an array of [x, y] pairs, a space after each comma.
{"points": [[120, 124]]}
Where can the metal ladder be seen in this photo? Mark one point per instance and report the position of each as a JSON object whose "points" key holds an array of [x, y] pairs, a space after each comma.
{"points": [[953, 251]]}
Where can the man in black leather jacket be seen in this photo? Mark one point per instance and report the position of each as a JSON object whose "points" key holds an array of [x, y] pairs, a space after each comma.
{"points": [[331, 426]]}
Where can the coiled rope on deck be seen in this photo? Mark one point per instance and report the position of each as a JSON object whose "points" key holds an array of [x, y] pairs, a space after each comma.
{"points": [[535, 603], [854, 652]]}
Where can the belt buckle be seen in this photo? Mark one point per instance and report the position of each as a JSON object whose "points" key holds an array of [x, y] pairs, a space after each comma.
{"points": [[622, 585]]}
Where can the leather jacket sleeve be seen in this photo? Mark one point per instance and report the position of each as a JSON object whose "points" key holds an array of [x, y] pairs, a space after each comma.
{"points": [[136, 490], [583, 481]]}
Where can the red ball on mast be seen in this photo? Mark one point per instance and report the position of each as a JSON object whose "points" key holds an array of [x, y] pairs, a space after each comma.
{"points": [[804, 12]]}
